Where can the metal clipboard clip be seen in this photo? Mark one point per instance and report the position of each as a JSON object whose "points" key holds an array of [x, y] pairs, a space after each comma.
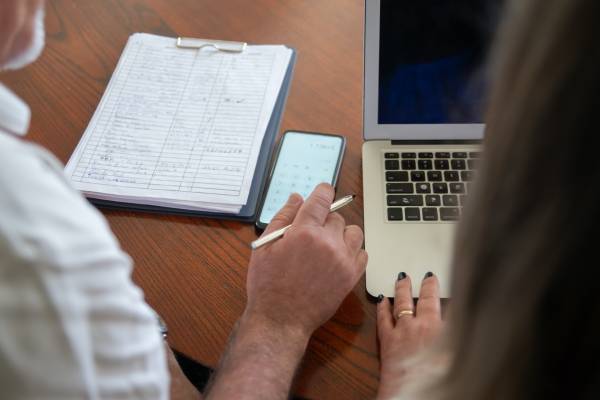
{"points": [[220, 45]]}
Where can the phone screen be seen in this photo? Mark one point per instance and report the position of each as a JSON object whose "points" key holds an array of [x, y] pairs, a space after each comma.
{"points": [[304, 161]]}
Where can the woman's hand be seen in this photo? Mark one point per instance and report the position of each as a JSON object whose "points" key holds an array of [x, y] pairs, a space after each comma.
{"points": [[404, 330]]}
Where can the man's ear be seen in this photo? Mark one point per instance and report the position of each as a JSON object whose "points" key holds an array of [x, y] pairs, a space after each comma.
{"points": [[8, 27], [25, 40]]}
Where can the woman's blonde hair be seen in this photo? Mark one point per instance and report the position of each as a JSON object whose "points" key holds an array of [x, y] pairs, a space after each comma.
{"points": [[525, 314]]}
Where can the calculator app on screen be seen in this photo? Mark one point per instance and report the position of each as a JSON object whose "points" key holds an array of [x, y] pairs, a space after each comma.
{"points": [[304, 161]]}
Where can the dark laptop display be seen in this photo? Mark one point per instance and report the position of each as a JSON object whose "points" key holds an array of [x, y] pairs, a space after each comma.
{"points": [[431, 67]]}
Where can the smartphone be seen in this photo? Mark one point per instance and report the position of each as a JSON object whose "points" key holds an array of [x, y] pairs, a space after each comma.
{"points": [[303, 161]]}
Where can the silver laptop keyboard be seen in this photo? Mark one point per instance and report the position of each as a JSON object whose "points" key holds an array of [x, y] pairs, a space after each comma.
{"points": [[427, 186]]}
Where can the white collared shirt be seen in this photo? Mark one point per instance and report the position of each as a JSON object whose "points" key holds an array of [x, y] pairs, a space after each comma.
{"points": [[72, 323]]}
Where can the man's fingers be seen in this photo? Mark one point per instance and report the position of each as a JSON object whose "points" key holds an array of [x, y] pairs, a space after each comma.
{"points": [[385, 319], [429, 304], [315, 209], [286, 215], [353, 236], [404, 298], [362, 259], [335, 223], [358, 266]]}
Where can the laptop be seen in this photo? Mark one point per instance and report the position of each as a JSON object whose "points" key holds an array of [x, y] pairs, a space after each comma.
{"points": [[423, 125]]}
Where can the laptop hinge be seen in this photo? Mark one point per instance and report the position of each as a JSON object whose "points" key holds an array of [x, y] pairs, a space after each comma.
{"points": [[434, 142]]}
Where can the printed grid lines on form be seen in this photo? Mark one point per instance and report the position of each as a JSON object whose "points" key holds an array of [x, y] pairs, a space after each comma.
{"points": [[175, 127]]}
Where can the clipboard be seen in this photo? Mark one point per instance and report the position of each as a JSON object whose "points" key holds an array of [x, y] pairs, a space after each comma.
{"points": [[249, 212]]}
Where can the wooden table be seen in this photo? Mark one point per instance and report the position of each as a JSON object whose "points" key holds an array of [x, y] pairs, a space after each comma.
{"points": [[193, 270]]}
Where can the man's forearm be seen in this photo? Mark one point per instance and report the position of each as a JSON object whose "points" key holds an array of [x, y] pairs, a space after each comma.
{"points": [[259, 362]]}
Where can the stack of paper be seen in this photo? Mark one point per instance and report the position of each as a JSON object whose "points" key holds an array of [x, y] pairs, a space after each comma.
{"points": [[180, 128]]}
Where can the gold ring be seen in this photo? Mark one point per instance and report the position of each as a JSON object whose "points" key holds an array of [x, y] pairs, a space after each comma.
{"points": [[402, 313]]}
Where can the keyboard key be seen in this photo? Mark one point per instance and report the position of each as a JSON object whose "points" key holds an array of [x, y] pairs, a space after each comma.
{"points": [[458, 164], [409, 155], [451, 176], [423, 188], [449, 214], [442, 164], [392, 155], [394, 214], [409, 164], [463, 200], [430, 214], [458, 188], [442, 155], [434, 176], [450, 200], [440, 188], [396, 176], [466, 176], [417, 176], [412, 214], [475, 154], [425, 164], [472, 163], [396, 201], [459, 154], [400, 188], [392, 165], [425, 155], [433, 200]]}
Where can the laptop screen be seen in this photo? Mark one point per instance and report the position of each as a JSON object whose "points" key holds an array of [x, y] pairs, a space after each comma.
{"points": [[432, 60]]}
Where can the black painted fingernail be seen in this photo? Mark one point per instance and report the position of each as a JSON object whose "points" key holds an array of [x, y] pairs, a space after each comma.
{"points": [[401, 275], [428, 275], [379, 298]]}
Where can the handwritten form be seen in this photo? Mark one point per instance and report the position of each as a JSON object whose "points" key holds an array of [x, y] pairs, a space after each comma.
{"points": [[180, 127]]}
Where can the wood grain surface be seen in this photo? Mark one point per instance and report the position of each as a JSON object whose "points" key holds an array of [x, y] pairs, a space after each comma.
{"points": [[193, 270]]}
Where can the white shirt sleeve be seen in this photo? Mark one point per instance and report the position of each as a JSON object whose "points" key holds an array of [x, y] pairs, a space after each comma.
{"points": [[72, 323]]}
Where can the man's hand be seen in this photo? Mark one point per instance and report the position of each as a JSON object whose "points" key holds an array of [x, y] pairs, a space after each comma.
{"points": [[299, 281], [402, 335], [294, 285]]}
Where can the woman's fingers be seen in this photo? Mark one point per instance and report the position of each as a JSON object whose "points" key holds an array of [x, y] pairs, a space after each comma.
{"points": [[429, 304], [385, 320], [404, 299], [428, 307]]}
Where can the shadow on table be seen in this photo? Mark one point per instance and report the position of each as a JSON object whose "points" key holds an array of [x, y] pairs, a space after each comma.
{"points": [[199, 374]]}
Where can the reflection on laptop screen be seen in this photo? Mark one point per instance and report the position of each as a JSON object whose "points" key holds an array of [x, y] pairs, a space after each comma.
{"points": [[432, 54]]}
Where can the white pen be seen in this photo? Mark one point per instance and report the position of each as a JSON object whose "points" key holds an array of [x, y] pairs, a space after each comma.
{"points": [[341, 203]]}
